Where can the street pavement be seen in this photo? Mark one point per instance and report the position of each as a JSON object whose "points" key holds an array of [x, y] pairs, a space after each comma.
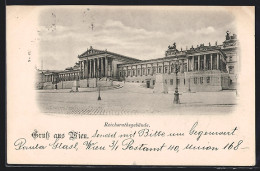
{"points": [[134, 99]]}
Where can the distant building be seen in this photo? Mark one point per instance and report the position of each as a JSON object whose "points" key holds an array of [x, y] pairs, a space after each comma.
{"points": [[47, 79], [202, 68]]}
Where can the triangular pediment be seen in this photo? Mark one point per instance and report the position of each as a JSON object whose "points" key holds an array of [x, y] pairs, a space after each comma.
{"points": [[91, 51]]}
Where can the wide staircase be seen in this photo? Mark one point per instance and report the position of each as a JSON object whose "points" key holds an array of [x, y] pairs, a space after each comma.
{"points": [[104, 84], [134, 88]]}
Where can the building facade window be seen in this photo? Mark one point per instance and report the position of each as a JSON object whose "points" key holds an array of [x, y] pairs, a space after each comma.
{"points": [[185, 67], [195, 63], [201, 63], [178, 81], [172, 68], [208, 80], [201, 80], [166, 69], [184, 81], [195, 80], [214, 61], [138, 71], [165, 81], [231, 69], [153, 82], [160, 69], [148, 70], [208, 63], [154, 69]]}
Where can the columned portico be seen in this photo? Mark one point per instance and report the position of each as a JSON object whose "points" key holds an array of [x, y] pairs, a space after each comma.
{"points": [[102, 67], [217, 61], [98, 68], [80, 68], [84, 68], [87, 69], [95, 68], [211, 62], [106, 66], [198, 62], [90, 68], [205, 64], [191, 63]]}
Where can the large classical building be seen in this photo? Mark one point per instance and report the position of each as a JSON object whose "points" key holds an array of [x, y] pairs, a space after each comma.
{"points": [[202, 68]]}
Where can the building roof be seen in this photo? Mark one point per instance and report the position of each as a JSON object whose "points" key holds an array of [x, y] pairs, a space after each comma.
{"points": [[92, 51]]}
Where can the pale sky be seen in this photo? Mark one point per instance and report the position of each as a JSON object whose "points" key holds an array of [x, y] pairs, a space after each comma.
{"points": [[139, 32]]}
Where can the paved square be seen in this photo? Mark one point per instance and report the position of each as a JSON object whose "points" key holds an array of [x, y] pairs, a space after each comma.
{"points": [[134, 99]]}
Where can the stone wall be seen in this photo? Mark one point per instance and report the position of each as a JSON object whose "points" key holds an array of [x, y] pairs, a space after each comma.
{"points": [[82, 84], [159, 86], [170, 82], [212, 80], [91, 82], [65, 85], [204, 80], [188, 81], [225, 81]]}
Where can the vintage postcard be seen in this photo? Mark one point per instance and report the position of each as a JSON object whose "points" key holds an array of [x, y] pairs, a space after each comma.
{"points": [[131, 85]]}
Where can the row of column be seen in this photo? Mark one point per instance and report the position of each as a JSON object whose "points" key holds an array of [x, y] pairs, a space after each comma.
{"points": [[183, 66], [94, 68], [196, 66], [69, 76], [151, 70], [48, 78]]}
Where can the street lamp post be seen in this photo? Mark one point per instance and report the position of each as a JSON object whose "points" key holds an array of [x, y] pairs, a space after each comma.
{"points": [[176, 93], [56, 83], [124, 77], [189, 86], [99, 97]]}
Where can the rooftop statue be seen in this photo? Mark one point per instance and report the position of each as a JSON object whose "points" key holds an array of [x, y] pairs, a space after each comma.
{"points": [[227, 36], [173, 46]]}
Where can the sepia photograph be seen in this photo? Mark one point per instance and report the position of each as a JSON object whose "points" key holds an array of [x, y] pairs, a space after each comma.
{"points": [[95, 64]]}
